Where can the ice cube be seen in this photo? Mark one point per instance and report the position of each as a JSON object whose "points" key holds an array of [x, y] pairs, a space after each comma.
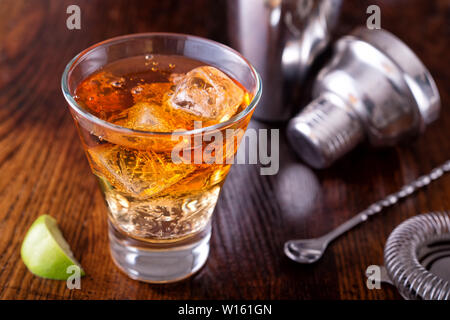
{"points": [[206, 93], [144, 116], [138, 173], [147, 116]]}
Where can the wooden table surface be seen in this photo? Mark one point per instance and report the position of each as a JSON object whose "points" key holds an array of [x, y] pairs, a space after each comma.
{"points": [[43, 169]]}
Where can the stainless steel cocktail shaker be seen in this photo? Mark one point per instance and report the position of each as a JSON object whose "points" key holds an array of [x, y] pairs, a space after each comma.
{"points": [[281, 38], [373, 88]]}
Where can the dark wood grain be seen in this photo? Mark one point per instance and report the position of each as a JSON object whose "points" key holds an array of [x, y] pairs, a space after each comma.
{"points": [[43, 168]]}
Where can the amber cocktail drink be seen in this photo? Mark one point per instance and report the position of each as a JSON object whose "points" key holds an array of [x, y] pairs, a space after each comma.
{"points": [[160, 117]]}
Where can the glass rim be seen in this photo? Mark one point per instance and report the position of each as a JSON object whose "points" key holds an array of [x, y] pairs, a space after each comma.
{"points": [[115, 40]]}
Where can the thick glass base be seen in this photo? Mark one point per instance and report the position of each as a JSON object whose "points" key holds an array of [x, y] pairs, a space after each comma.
{"points": [[159, 262]]}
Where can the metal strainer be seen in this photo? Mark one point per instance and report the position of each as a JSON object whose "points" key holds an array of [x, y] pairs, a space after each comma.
{"points": [[417, 257]]}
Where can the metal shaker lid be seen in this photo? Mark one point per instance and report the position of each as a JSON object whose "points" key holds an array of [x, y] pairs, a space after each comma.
{"points": [[379, 89], [414, 72]]}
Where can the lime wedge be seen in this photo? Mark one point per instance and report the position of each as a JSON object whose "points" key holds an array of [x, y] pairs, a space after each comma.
{"points": [[45, 252]]}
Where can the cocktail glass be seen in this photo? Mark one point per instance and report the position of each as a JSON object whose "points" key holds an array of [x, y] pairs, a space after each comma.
{"points": [[160, 208]]}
